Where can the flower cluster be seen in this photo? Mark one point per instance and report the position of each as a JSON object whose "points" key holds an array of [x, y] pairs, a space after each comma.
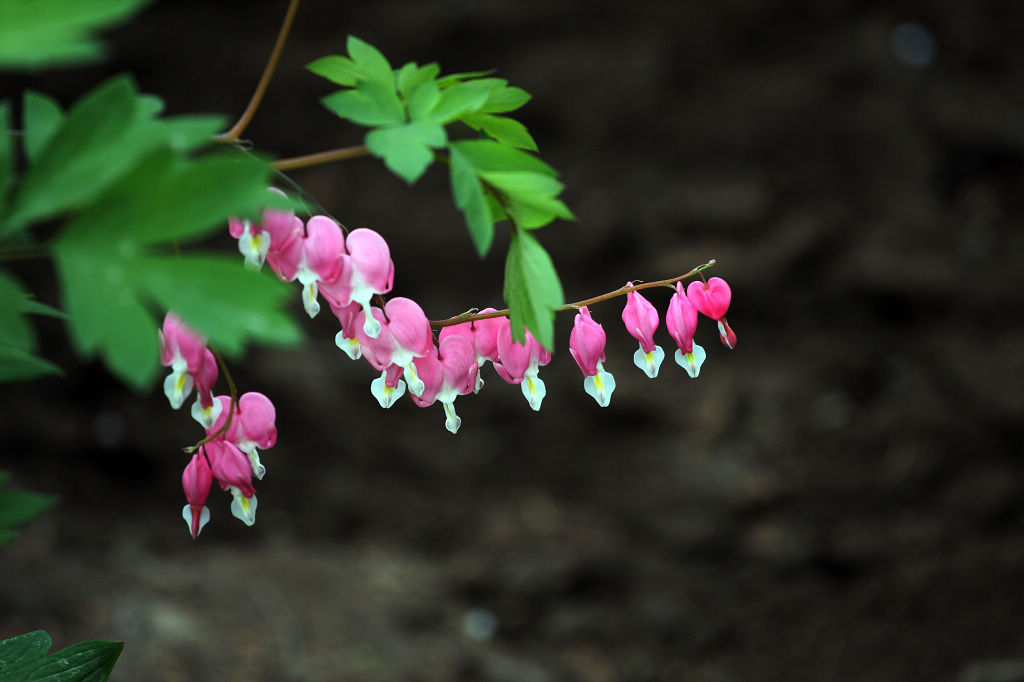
{"points": [[353, 272], [234, 432]]}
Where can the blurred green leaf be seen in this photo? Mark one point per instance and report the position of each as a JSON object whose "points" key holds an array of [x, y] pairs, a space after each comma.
{"points": [[504, 99], [214, 294], [507, 131], [17, 364], [459, 100], [19, 506], [532, 289], [406, 149], [6, 155], [17, 338], [337, 69], [42, 117], [487, 155], [35, 33], [468, 193], [453, 78]]}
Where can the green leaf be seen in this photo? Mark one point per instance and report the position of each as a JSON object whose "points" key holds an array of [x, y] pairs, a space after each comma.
{"points": [[19, 506], [410, 76], [166, 198], [36, 33], [337, 69], [487, 155], [532, 289], [406, 149], [42, 118], [102, 137], [372, 64], [185, 133], [459, 100], [504, 99], [529, 196], [422, 101], [84, 662], [507, 131], [453, 78], [21, 653], [468, 194], [14, 328], [369, 104], [6, 156], [222, 300], [18, 364], [24, 658]]}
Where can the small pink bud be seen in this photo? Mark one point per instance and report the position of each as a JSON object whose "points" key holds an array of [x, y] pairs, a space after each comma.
{"points": [[642, 320], [681, 322], [196, 481], [586, 342]]}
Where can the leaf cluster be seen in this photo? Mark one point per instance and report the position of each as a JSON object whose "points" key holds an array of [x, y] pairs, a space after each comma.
{"points": [[24, 658], [131, 186], [412, 112]]}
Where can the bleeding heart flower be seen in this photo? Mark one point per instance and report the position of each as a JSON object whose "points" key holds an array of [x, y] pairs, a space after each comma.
{"points": [[681, 322], [712, 299], [642, 320], [586, 344]]}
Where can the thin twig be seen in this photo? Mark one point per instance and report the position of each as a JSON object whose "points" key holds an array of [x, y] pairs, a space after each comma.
{"points": [[466, 317], [321, 157], [268, 72]]}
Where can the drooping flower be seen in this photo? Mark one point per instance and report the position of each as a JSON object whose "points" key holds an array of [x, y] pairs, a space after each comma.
{"points": [[234, 474], [681, 322], [403, 333], [183, 350], [642, 320], [388, 387], [252, 427], [447, 372], [712, 299], [346, 339], [205, 409], [257, 240], [196, 480], [317, 255], [370, 272], [586, 344], [483, 334], [519, 363]]}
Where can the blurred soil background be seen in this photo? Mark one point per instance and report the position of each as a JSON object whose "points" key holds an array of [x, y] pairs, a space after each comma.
{"points": [[840, 498]]}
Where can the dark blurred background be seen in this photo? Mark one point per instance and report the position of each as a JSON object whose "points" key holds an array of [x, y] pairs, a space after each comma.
{"points": [[840, 498]]}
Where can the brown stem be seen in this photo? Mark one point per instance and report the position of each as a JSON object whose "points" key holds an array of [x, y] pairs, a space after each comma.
{"points": [[321, 157], [467, 317], [268, 72]]}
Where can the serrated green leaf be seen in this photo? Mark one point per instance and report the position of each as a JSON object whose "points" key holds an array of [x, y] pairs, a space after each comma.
{"points": [[529, 197], [373, 65], [84, 662], [468, 194], [166, 198], [42, 117], [507, 131], [369, 104], [215, 295], [406, 149], [102, 137], [487, 155], [50, 32], [185, 133], [410, 76], [21, 653], [532, 289], [337, 69]]}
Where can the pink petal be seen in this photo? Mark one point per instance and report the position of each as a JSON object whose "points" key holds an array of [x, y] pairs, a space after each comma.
{"points": [[712, 299], [641, 319], [376, 351], [325, 248], [371, 260], [409, 326], [681, 319], [230, 467], [586, 342]]}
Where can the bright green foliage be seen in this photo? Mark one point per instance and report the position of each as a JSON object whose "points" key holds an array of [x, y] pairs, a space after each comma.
{"points": [[134, 188], [17, 507], [23, 658], [532, 289], [36, 33], [6, 146], [492, 178], [17, 338]]}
